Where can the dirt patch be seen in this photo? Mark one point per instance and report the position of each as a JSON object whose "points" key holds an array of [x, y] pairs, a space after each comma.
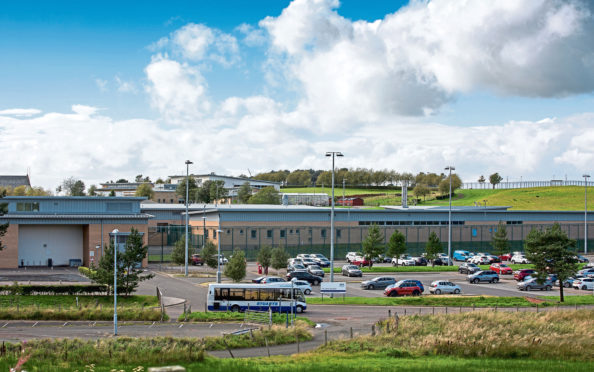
{"points": [[534, 300]]}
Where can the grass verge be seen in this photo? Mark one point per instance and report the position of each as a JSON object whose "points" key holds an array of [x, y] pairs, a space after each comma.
{"points": [[225, 316], [63, 307], [453, 301]]}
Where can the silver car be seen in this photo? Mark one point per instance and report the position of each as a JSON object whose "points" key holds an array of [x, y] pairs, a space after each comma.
{"points": [[531, 284], [351, 270], [380, 282], [489, 276]]}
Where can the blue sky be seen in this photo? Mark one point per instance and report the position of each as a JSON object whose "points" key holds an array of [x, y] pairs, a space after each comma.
{"points": [[503, 87]]}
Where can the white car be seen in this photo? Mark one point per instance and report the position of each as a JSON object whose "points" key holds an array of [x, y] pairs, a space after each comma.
{"points": [[584, 283], [403, 261], [223, 260], [443, 286], [351, 256], [519, 259], [303, 285], [480, 260]]}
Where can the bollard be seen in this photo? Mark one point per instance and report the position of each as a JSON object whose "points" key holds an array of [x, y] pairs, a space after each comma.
{"points": [[446, 309], [517, 308], [389, 313], [433, 310], [420, 310], [297, 337], [537, 308], [325, 337], [351, 332], [397, 321], [405, 311]]}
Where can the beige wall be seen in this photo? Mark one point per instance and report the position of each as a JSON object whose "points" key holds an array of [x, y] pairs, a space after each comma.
{"points": [[9, 256]]}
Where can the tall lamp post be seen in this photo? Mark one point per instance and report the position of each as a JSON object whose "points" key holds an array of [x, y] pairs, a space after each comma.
{"points": [[450, 168], [332, 154], [115, 281], [586, 176], [219, 231], [204, 226], [187, 196]]}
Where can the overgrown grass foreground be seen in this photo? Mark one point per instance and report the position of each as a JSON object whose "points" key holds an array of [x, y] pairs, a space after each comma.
{"points": [[63, 307], [64, 354], [453, 301], [226, 316]]}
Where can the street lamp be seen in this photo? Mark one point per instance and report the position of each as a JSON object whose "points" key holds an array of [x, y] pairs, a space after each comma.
{"points": [[204, 226], [586, 176], [187, 196], [333, 154], [219, 231], [450, 168], [115, 282]]}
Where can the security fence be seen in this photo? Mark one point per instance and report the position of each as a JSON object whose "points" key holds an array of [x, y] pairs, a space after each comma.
{"points": [[316, 239]]}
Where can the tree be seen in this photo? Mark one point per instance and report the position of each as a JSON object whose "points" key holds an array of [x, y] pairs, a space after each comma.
{"points": [[396, 245], [178, 255], [159, 181], [421, 190], [499, 240], [299, 178], [279, 258], [494, 179], [433, 247], [3, 209], [209, 255], [236, 268], [92, 191], [244, 193], [145, 190], [181, 189], [481, 179], [122, 180], [20, 190], [373, 244], [73, 187], [444, 185], [267, 195], [265, 257], [217, 190], [549, 252], [112, 193], [128, 265]]}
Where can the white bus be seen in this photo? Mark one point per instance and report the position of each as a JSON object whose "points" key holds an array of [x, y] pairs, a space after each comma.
{"points": [[241, 297]]}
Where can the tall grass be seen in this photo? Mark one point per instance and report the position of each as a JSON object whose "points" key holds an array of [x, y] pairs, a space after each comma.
{"points": [[226, 316]]}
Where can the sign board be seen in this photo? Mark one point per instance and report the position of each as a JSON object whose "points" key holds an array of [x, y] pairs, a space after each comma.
{"points": [[333, 287]]}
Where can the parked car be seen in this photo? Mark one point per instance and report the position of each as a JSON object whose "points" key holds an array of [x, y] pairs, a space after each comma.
{"points": [[351, 270], [294, 261], [582, 259], [304, 275], [505, 257], [303, 255], [361, 261], [308, 261], [315, 270], [501, 269], [468, 268], [586, 272], [383, 259], [444, 286], [351, 255], [484, 276], [303, 285], [567, 283], [403, 288], [404, 260], [420, 261], [379, 282], [519, 275], [258, 280], [321, 260], [519, 259], [533, 283], [272, 279], [460, 255], [296, 267], [493, 258], [417, 282], [197, 260], [584, 283], [480, 260], [441, 261]]}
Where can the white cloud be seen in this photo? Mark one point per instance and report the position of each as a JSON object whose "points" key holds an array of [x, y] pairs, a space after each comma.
{"points": [[101, 84], [125, 86], [252, 36], [19, 112]]}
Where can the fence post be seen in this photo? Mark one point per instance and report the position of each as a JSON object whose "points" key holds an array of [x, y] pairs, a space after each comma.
{"points": [[325, 337], [397, 322], [373, 329], [267, 348], [389, 313], [351, 332], [297, 337]]}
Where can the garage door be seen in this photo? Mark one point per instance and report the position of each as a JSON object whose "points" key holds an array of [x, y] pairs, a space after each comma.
{"points": [[38, 243]]}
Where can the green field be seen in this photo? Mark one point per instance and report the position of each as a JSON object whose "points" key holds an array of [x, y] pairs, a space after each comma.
{"points": [[537, 198]]}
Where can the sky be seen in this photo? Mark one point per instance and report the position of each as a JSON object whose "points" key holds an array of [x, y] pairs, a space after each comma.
{"points": [[107, 90]]}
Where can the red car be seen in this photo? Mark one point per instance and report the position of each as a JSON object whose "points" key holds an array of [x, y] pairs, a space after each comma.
{"points": [[501, 269], [403, 288], [506, 257], [360, 261], [521, 274], [197, 260]]}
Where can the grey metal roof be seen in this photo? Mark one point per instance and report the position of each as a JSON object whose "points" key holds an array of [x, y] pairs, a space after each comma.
{"points": [[76, 216], [114, 198], [14, 181]]}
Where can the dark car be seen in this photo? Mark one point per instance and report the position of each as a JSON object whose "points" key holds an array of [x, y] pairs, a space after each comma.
{"points": [[420, 261], [378, 283], [439, 262], [197, 260], [468, 268], [304, 275], [315, 270]]}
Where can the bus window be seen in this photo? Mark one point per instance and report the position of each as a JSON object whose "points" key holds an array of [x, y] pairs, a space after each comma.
{"points": [[251, 294], [221, 294], [236, 294], [267, 294]]}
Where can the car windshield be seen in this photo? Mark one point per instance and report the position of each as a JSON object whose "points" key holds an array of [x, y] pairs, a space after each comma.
{"points": [[352, 267], [314, 267], [503, 265]]}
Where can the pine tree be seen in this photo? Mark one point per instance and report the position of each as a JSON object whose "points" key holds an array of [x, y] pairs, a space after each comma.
{"points": [[279, 258], [433, 248], [499, 240], [397, 245], [178, 255], [264, 257], [209, 255]]}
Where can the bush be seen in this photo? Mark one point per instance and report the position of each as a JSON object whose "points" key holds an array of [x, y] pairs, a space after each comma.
{"points": [[68, 289]]}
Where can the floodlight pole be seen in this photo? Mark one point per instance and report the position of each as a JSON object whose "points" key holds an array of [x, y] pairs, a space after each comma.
{"points": [[115, 282], [586, 176], [450, 168], [332, 154], [187, 196]]}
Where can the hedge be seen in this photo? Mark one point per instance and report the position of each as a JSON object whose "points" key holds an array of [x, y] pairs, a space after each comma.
{"points": [[69, 289]]}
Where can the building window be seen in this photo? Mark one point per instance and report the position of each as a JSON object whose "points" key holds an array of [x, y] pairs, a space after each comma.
{"points": [[323, 233], [28, 207], [283, 233], [291, 231], [338, 233], [269, 234], [206, 233], [297, 231], [228, 231], [253, 233], [474, 232], [241, 232]]}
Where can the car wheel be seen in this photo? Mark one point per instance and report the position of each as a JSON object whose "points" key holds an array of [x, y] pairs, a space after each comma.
{"points": [[495, 280], [456, 291], [299, 309], [235, 308], [370, 286], [475, 281], [307, 291], [548, 288], [567, 285], [316, 282], [584, 288], [528, 288], [416, 293], [438, 291]]}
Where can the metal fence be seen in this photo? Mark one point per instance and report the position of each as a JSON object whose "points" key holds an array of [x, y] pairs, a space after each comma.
{"points": [[522, 184]]}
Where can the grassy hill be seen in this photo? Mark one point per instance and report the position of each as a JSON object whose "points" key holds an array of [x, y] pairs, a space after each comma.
{"points": [[537, 198]]}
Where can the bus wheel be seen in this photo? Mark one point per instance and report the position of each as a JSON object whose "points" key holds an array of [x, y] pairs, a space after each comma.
{"points": [[235, 308], [299, 309]]}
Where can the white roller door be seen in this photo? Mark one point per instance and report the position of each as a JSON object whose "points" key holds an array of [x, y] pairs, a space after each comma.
{"points": [[38, 243]]}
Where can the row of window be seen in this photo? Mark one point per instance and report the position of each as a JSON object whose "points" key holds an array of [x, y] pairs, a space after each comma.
{"points": [[407, 223], [27, 207], [261, 294]]}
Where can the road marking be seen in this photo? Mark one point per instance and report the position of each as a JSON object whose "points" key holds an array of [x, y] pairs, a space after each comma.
{"points": [[210, 325], [64, 325], [34, 324], [151, 326], [181, 325], [5, 324]]}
